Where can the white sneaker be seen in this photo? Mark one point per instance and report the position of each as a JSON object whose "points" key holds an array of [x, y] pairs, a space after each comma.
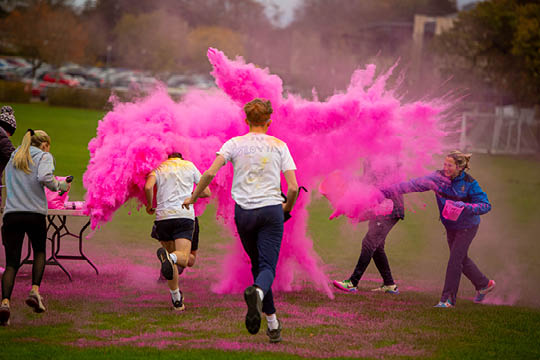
{"points": [[390, 289], [35, 301]]}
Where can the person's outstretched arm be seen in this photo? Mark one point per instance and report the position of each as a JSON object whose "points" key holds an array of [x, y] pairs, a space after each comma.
{"points": [[425, 183], [206, 179], [206, 193]]}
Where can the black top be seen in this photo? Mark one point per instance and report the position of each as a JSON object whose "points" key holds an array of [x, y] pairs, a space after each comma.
{"points": [[6, 148]]}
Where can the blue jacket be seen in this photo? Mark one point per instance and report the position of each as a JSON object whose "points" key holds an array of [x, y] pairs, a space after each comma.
{"points": [[462, 188]]}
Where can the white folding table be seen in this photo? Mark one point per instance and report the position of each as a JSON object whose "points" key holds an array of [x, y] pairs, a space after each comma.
{"points": [[57, 221]]}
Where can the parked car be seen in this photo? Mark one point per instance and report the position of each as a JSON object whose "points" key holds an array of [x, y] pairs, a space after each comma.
{"points": [[60, 78]]}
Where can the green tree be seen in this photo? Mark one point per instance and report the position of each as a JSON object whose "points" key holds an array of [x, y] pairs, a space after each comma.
{"points": [[45, 33], [224, 39], [495, 45]]}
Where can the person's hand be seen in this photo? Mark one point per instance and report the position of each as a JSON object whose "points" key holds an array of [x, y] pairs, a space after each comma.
{"points": [[286, 215], [63, 187], [150, 210], [386, 194], [459, 204], [189, 201]]}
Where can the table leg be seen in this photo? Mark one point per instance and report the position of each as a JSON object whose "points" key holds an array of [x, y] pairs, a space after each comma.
{"points": [[80, 247], [52, 260]]}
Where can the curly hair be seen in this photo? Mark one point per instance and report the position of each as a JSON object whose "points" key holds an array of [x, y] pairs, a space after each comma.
{"points": [[258, 111]]}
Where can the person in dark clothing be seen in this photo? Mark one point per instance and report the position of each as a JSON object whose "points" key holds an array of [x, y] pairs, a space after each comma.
{"points": [[461, 201], [374, 241], [258, 160], [8, 125]]}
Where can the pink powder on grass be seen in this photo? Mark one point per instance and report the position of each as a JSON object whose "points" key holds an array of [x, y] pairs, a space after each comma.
{"points": [[366, 121]]}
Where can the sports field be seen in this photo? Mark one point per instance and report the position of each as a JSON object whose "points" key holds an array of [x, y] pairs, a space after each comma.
{"points": [[124, 312]]}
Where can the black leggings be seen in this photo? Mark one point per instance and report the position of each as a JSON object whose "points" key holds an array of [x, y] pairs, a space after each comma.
{"points": [[15, 226]]}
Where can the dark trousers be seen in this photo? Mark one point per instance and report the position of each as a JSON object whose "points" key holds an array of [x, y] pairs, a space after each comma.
{"points": [[373, 247], [15, 226], [261, 232], [459, 242]]}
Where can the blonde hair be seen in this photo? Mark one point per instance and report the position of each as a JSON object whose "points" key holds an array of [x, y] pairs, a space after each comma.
{"points": [[461, 159], [258, 111], [22, 158]]}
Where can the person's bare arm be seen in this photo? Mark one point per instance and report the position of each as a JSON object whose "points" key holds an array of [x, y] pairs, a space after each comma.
{"points": [[149, 192], [292, 190], [206, 193], [206, 179]]}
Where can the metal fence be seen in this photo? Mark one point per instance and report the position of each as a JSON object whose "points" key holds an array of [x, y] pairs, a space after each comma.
{"points": [[507, 130]]}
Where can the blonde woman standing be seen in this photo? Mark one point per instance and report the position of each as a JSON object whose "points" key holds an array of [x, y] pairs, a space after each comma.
{"points": [[461, 201], [29, 169]]}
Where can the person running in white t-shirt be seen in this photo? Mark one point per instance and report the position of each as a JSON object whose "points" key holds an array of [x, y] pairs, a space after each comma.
{"points": [[174, 225], [258, 160]]}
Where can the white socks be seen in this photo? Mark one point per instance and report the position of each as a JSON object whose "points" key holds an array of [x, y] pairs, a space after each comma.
{"points": [[260, 293], [176, 295], [272, 321], [173, 257]]}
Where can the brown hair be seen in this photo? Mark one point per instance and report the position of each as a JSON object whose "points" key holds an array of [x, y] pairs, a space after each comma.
{"points": [[461, 159], [258, 111], [22, 158]]}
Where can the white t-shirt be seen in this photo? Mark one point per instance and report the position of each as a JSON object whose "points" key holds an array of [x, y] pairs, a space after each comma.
{"points": [[258, 160], [175, 179]]}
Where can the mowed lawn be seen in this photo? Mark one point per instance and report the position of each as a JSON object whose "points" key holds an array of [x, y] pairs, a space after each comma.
{"points": [[124, 312]]}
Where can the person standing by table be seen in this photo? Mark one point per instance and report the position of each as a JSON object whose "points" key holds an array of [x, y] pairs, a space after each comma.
{"points": [[29, 169]]}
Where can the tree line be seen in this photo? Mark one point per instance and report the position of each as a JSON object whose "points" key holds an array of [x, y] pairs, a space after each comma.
{"points": [[494, 45]]}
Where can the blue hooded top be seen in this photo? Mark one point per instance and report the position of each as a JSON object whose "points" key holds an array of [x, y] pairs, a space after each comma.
{"points": [[462, 188]]}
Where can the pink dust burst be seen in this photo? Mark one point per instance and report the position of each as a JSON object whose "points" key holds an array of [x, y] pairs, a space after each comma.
{"points": [[365, 121]]}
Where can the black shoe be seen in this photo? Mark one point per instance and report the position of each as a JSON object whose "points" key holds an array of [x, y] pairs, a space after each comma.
{"points": [[4, 315], [166, 263], [274, 335], [178, 305], [254, 310]]}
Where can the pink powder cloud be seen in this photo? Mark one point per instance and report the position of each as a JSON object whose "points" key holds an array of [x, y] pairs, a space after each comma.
{"points": [[366, 121]]}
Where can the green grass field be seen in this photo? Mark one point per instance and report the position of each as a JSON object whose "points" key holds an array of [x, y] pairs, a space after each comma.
{"points": [[124, 313]]}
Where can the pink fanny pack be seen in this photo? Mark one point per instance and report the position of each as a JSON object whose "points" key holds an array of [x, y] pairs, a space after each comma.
{"points": [[451, 212]]}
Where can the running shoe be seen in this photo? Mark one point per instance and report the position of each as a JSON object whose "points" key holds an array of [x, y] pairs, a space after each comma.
{"points": [[4, 314], [445, 304], [389, 289], [254, 309], [166, 263], [178, 305], [481, 294], [345, 285], [274, 335], [35, 301]]}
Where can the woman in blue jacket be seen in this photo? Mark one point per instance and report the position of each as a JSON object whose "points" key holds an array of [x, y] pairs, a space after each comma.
{"points": [[461, 201]]}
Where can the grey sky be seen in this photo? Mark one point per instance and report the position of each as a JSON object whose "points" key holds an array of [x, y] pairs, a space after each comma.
{"points": [[287, 8]]}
